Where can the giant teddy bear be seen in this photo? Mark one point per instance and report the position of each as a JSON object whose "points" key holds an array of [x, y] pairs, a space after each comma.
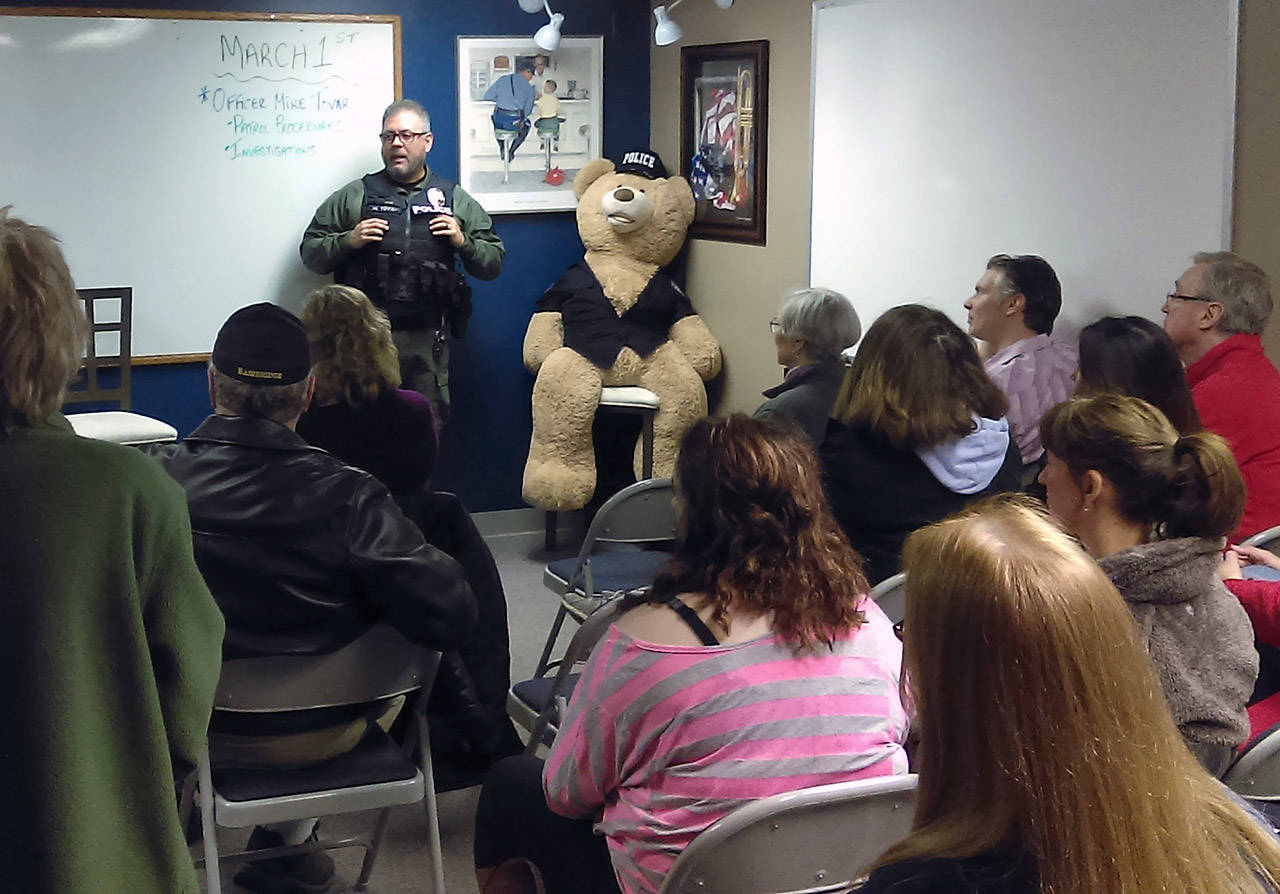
{"points": [[614, 319]]}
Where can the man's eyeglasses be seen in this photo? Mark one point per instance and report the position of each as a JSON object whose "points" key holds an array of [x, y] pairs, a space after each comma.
{"points": [[404, 136], [775, 327], [1173, 295]]}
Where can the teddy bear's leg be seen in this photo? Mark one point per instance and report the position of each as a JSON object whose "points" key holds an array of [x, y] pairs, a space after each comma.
{"points": [[560, 473], [682, 400]]}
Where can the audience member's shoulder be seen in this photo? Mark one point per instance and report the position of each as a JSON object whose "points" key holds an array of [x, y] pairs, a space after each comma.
{"points": [[128, 467], [981, 874]]}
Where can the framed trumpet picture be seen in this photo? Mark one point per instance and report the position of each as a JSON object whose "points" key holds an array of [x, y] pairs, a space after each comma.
{"points": [[724, 90]]}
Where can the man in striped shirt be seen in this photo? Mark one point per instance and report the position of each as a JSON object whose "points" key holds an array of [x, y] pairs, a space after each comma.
{"points": [[1011, 311]]}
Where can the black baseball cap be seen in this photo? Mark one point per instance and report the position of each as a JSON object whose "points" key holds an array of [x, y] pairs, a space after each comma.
{"points": [[644, 162], [263, 344]]}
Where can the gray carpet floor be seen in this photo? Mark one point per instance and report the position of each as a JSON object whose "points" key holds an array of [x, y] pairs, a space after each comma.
{"points": [[403, 865]]}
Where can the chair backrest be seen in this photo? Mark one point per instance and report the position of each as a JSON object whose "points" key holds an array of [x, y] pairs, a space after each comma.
{"points": [[891, 595], [815, 839], [1256, 772], [584, 640], [380, 664], [639, 513], [108, 311], [1263, 539]]}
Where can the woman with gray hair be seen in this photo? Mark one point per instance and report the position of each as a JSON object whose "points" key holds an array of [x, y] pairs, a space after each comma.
{"points": [[812, 327]]}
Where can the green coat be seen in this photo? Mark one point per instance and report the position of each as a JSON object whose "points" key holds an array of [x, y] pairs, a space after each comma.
{"points": [[110, 648]]}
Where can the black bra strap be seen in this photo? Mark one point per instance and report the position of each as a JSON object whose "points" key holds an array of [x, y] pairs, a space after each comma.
{"points": [[690, 617]]}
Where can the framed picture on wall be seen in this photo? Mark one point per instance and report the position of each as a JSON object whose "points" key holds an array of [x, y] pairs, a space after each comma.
{"points": [[724, 90], [528, 120]]}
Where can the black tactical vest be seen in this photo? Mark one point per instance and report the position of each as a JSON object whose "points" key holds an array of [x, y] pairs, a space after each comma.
{"points": [[410, 273]]}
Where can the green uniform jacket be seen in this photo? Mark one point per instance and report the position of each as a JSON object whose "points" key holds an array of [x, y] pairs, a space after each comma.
{"points": [[110, 649], [324, 244]]}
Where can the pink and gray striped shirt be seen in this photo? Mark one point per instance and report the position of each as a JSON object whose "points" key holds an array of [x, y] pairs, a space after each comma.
{"points": [[661, 741]]}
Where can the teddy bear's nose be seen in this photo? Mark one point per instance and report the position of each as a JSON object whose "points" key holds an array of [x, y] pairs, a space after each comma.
{"points": [[623, 194]]}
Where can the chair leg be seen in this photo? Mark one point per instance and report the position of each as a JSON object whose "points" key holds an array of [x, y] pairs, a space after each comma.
{"points": [[545, 659], [371, 852], [433, 815], [212, 865]]}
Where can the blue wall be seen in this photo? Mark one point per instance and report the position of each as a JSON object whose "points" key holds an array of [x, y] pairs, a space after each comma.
{"points": [[484, 447]]}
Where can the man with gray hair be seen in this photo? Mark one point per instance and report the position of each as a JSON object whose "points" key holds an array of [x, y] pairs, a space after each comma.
{"points": [[1215, 315], [394, 234]]}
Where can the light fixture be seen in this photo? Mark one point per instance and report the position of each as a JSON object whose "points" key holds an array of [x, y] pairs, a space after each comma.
{"points": [[666, 31], [548, 36]]}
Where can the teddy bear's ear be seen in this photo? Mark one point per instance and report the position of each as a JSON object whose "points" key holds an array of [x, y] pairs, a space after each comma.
{"points": [[590, 172]]}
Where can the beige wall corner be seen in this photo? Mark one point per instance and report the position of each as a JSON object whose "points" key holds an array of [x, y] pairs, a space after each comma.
{"points": [[1256, 223], [737, 288]]}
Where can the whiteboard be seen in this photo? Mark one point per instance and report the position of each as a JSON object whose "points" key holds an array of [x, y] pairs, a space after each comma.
{"points": [[185, 156], [1095, 133]]}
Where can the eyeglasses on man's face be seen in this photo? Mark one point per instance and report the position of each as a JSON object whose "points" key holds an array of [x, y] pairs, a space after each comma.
{"points": [[404, 136], [1173, 295]]}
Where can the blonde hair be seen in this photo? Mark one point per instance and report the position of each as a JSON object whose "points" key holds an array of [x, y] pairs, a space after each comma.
{"points": [[43, 330], [351, 349], [1182, 485], [917, 380], [1043, 727]]}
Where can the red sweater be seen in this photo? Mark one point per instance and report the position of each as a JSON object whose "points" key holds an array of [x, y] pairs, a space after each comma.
{"points": [[1261, 601], [1237, 391]]}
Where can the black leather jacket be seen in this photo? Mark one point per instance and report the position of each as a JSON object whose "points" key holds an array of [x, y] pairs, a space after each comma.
{"points": [[304, 553]]}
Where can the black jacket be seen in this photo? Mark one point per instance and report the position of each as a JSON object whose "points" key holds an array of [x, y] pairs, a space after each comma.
{"points": [[880, 493], [304, 553]]}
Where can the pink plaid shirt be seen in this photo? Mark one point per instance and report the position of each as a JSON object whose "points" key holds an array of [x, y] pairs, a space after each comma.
{"points": [[1034, 374]]}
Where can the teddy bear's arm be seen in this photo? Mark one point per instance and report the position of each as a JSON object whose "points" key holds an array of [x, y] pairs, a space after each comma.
{"points": [[698, 345], [544, 335]]}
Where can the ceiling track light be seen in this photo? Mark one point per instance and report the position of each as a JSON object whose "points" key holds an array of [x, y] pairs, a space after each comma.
{"points": [[548, 36], [666, 31]]}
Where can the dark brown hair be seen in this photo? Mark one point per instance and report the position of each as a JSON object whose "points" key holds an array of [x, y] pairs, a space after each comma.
{"points": [[1132, 355], [1181, 485], [917, 380], [756, 532]]}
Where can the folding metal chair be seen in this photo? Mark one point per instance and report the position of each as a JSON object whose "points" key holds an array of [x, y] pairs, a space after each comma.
{"points": [[640, 514], [1263, 539], [538, 705], [891, 595], [376, 774], [804, 842], [1255, 774]]}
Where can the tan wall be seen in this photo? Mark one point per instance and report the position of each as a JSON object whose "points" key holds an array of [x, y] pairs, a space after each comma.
{"points": [[1256, 224], [737, 287]]}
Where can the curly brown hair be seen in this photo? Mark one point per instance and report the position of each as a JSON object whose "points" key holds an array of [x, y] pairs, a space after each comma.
{"points": [[757, 533], [351, 349]]}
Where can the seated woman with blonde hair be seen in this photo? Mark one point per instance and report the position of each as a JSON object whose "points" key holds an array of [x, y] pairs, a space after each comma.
{"points": [[1048, 760], [362, 416], [1155, 508], [359, 412]]}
